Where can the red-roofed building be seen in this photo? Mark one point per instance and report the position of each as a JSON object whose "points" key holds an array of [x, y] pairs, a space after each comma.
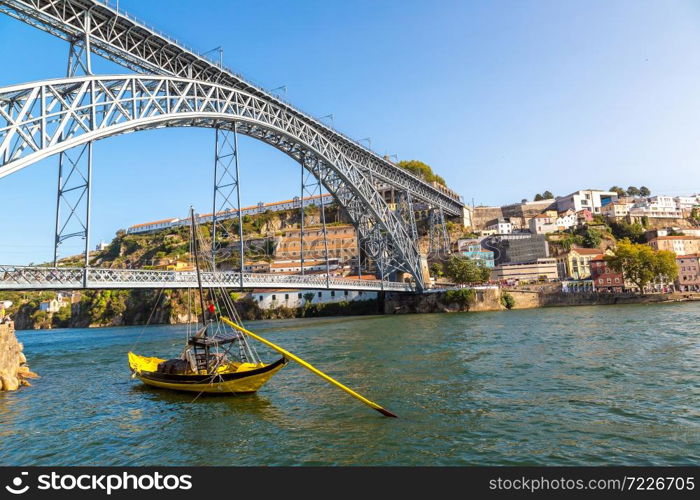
{"points": [[604, 278]]}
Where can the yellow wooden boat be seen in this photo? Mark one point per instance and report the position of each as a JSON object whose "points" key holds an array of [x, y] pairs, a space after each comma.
{"points": [[231, 378], [217, 358]]}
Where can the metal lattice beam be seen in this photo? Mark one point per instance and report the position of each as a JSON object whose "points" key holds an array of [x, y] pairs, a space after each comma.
{"points": [[132, 44], [65, 278], [41, 119]]}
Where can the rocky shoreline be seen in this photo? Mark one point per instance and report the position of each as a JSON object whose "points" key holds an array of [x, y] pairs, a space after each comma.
{"points": [[14, 371]]}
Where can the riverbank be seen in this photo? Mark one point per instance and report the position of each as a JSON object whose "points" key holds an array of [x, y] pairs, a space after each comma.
{"points": [[492, 299], [14, 371], [138, 307]]}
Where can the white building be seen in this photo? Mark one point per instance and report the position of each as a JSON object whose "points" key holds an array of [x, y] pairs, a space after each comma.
{"points": [[260, 208], [310, 265], [656, 206], [687, 202], [270, 299], [566, 219], [51, 306], [543, 224], [501, 226], [592, 199]]}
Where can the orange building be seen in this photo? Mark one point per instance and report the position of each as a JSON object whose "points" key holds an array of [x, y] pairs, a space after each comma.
{"points": [[342, 243]]}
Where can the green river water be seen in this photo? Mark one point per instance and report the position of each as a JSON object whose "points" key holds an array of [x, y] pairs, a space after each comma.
{"points": [[559, 386]]}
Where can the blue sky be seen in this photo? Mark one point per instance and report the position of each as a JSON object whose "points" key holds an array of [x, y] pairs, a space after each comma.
{"points": [[504, 99]]}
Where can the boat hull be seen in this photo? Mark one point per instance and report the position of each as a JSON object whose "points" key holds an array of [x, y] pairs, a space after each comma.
{"points": [[246, 381]]}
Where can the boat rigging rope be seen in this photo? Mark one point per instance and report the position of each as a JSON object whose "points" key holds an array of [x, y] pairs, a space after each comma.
{"points": [[143, 327]]}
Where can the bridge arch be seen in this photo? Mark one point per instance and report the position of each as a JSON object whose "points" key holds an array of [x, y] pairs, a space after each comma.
{"points": [[41, 119]]}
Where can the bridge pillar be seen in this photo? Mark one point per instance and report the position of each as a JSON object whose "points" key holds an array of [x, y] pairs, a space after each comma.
{"points": [[312, 178], [75, 165], [227, 193], [437, 232]]}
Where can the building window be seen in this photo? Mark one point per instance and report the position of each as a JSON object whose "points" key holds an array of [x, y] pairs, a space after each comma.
{"points": [[261, 298], [274, 297], [320, 294], [346, 293], [333, 293], [298, 295], [286, 296]]}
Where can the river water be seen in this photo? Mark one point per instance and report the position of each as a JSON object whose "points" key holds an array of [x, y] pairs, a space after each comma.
{"points": [[558, 386]]}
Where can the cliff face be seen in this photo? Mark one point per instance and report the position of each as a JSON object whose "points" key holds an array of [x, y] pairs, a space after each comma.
{"points": [[14, 371]]}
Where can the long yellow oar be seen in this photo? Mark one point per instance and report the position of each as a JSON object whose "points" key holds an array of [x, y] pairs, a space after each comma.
{"points": [[306, 365]]}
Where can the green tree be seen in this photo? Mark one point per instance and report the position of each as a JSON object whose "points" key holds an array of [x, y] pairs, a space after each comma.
{"points": [[437, 270], [463, 270], [592, 238], [633, 191], [547, 195], [695, 214], [463, 296], [507, 300], [61, 319], [644, 191], [621, 230], [641, 265], [538, 197], [309, 297], [617, 189], [422, 170]]}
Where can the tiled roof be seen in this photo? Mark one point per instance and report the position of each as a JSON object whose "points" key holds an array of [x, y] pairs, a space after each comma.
{"points": [[586, 251], [155, 222]]}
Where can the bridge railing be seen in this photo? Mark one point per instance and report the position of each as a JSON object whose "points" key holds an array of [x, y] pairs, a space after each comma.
{"points": [[56, 278]]}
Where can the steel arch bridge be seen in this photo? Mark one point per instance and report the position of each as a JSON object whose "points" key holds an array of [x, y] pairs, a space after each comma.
{"points": [[41, 119]]}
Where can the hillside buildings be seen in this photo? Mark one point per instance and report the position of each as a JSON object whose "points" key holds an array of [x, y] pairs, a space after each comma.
{"points": [[517, 247], [576, 263], [472, 249], [680, 245], [542, 269], [688, 272], [604, 278], [590, 199], [271, 299]]}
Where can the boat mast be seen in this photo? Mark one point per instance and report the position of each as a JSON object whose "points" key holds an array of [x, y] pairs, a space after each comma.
{"points": [[199, 276]]}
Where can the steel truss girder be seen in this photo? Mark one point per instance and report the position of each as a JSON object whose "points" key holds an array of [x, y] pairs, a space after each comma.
{"points": [[40, 119], [131, 44], [67, 278]]}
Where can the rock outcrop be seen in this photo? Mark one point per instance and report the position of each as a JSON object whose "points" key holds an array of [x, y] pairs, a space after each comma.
{"points": [[14, 371]]}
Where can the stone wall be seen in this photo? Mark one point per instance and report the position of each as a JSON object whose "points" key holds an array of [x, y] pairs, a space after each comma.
{"points": [[14, 371], [402, 303], [527, 299], [483, 215]]}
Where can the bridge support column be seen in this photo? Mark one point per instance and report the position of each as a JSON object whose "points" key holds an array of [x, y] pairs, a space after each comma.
{"points": [[437, 231], [312, 185], [75, 165], [227, 193]]}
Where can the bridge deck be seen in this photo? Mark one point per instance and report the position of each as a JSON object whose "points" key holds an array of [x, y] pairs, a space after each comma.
{"points": [[65, 278]]}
